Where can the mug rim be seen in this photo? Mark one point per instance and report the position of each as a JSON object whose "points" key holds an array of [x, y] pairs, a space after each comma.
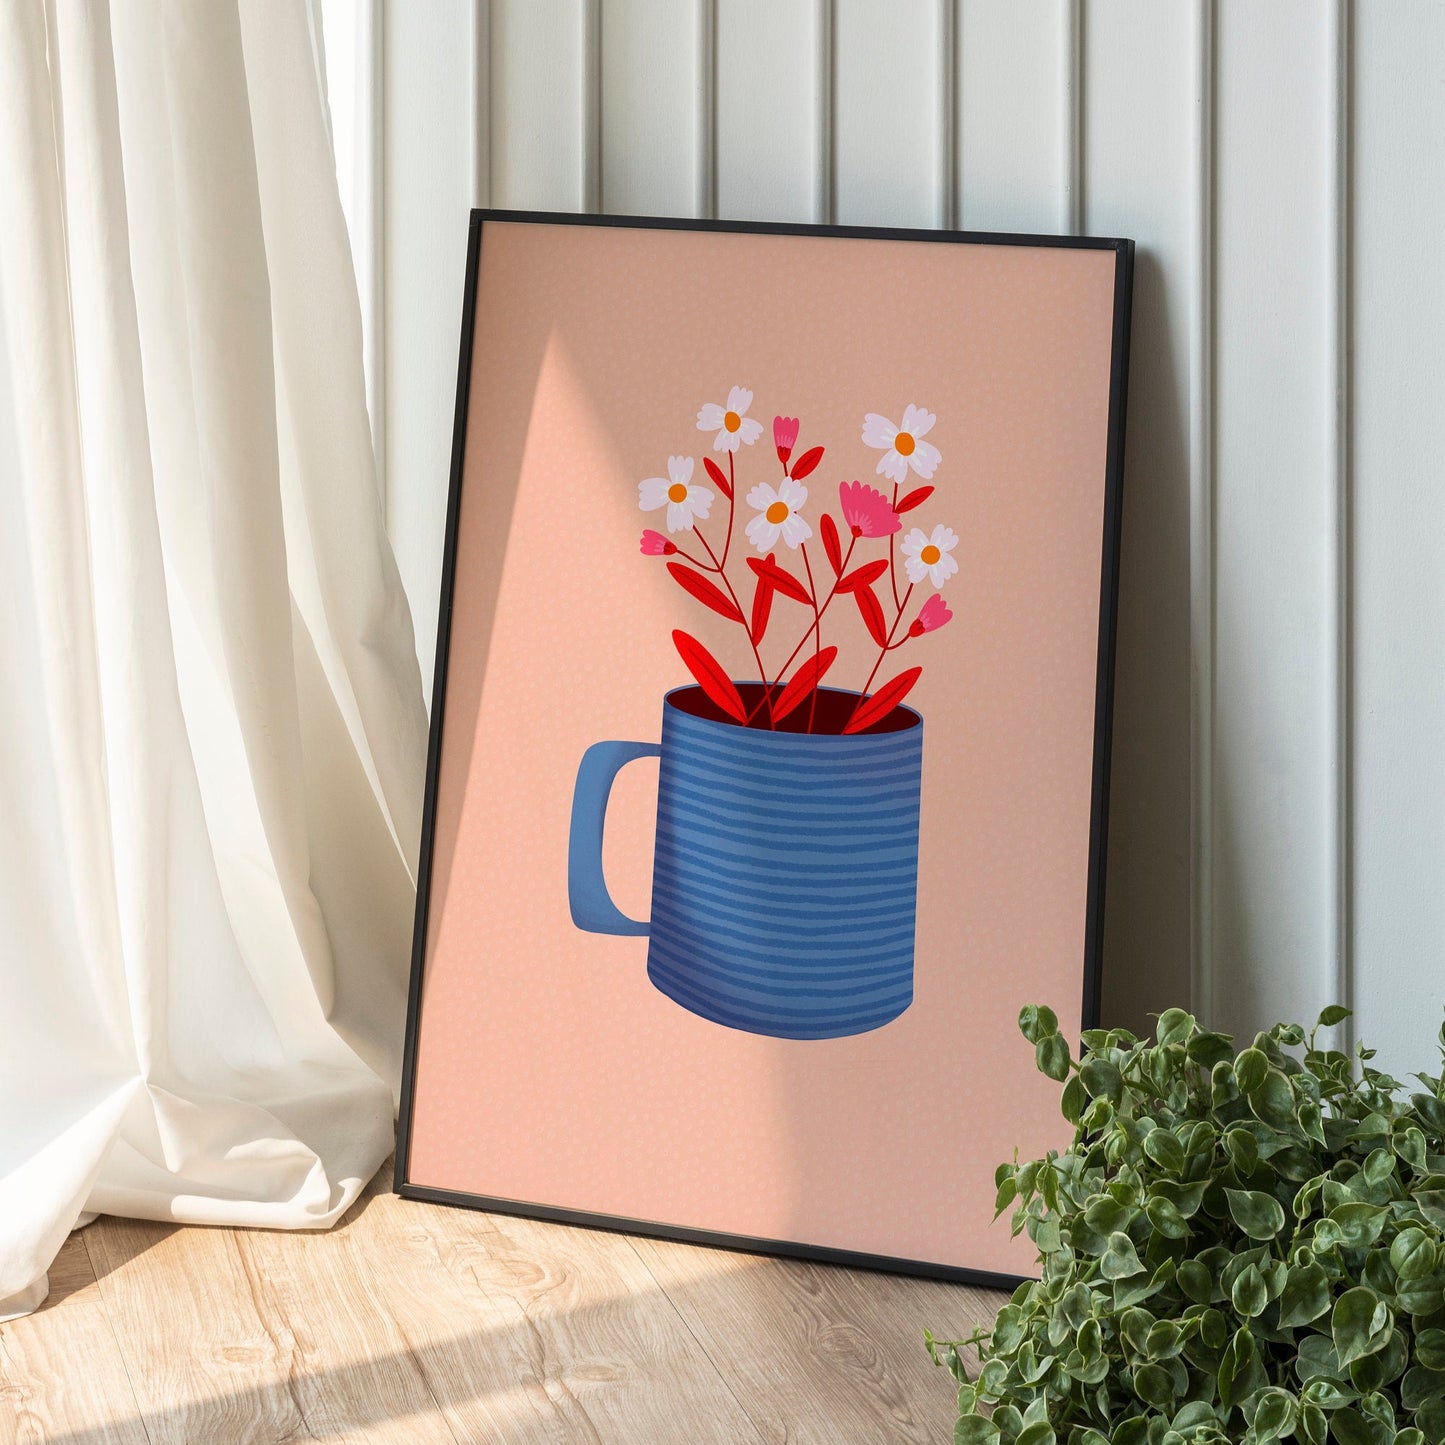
{"points": [[916, 718]]}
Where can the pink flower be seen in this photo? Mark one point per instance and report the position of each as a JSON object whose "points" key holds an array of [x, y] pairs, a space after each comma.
{"points": [[654, 544], [785, 433], [933, 614], [867, 511]]}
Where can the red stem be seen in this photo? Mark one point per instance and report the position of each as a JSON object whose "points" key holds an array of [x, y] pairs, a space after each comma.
{"points": [[732, 504], [817, 634], [883, 651], [757, 656], [892, 568], [803, 642], [696, 561]]}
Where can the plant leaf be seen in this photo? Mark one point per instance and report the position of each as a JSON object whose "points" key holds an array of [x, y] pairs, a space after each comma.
{"points": [[872, 611], [1306, 1296], [804, 680], [1359, 1325], [828, 530], [1051, 1054], [719, 478], [1120, 1260], [916, 498], [1037, 1021], [710, 675], [877, 707], [762, 608], [806, 463], [781, 579], [864, 576], [975, 1430], [706, 592], [1260, 1216]]}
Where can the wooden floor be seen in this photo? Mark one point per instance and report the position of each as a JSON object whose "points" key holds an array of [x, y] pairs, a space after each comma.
{"points": [[416, 1323]]}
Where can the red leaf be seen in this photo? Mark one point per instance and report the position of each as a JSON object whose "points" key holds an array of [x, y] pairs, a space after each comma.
{"points": [[721, 482], [805, 679], [915, 498], [806, 463], [828, 528], [762, 607], [784, 581], [705, 592], [876, 708], [864, 576], [872, 611], [710, 675]]}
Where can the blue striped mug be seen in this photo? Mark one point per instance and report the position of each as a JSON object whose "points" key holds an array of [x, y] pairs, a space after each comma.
{"points": [[785, 866]]}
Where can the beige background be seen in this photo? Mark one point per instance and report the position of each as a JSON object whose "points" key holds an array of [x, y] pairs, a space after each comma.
{"points": [[548, 1068]]}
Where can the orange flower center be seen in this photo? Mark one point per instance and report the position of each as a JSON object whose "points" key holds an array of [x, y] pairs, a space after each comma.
{"points": [[903, 444], [929, 555], [732, 421], [677, 492], [778, 512]]}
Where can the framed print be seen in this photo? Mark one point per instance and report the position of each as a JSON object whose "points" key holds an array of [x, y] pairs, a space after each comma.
{"points": [[770, 729]]}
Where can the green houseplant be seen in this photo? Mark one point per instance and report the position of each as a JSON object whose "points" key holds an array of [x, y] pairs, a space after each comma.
{"points": [[1237, 1247]]}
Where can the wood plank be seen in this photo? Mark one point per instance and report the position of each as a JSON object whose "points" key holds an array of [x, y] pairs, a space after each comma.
{"points": [[565, 1337], [62, 1377], [819, 1353], [204, 1362], [350, 1368], [414, 1322]]}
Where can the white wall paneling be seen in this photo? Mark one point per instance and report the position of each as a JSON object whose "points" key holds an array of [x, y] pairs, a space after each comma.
{"points": [[1278, 833], [890, 160], [773, 109], [1397, 524], [1016, 130], [429, 167], [657, 113], [1138, 179], [1273, 863]]}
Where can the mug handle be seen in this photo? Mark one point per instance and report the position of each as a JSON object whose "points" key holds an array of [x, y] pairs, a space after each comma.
{"points": [[592, 907]]}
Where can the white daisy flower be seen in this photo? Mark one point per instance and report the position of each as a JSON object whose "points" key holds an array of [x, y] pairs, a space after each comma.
{"points": [[685, 503], [927, 556], [733, 425], [778, 515], [903, 446]]}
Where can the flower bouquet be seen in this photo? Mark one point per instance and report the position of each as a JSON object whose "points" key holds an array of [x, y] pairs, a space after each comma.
{"points": [[785, 861], [787, 695]]}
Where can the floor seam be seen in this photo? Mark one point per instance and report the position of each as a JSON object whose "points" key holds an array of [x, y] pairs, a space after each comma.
{"points": [[663, 1290], [103, 1293]]}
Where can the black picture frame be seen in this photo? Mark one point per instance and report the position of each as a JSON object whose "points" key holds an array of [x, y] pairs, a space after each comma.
{"points": [[1103, 713]]}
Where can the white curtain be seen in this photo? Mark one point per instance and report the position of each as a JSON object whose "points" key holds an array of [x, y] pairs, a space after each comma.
{"points": [[211, 723]]}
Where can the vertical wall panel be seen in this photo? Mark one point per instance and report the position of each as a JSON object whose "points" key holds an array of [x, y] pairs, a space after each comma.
{"points": [[1399, 510], [538, 64], [428, 165], [1011, 120], [889, 116], [656, 106], [770, 109], [1273, 765], [1138, 179]]}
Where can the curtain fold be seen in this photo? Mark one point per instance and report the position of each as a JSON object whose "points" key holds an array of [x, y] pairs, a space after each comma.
{"points": [[212, 734]]}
